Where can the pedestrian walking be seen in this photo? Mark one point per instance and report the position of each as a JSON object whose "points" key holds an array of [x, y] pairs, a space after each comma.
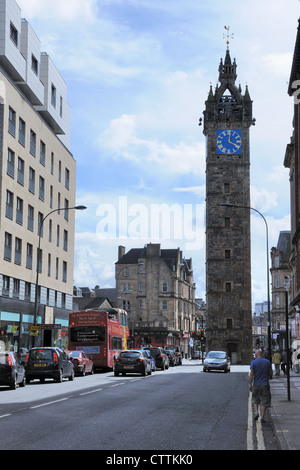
{"points": [[276, 359], [260, 374], [283, 361]]}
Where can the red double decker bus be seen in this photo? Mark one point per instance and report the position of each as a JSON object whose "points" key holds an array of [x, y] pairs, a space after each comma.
{"points": [[100, 333]]}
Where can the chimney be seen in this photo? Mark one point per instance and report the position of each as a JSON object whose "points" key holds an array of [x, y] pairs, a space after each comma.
{"points": [[121, 252]]}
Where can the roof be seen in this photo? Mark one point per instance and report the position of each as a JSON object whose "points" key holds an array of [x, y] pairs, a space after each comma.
{"points": [[284, 245]]}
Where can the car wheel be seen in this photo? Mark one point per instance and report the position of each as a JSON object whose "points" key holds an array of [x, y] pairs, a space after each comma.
{"points": [[83, 372], [13, 383], [72, 375], [116, 374], [59, 379], [92, 370], [23, 383], [150, 371]]}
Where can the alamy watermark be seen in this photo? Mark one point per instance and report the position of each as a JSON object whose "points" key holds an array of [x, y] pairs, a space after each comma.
{"points": [[183, 223], [296, 94]]}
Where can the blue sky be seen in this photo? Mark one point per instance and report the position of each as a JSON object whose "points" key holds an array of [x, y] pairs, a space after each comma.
{"points": [[138, 73]]}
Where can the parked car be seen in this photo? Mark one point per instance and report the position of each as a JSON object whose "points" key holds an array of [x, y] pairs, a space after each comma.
{"points": [[173, 358], [82, 363], [177, 351], [131, 361], [216, 360], [152, 360], [44, 363], [161, 359], [12, 372], [196, 354]]}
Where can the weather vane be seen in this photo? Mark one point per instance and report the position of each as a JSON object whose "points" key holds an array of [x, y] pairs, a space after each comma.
{"points": [[227, 35]]}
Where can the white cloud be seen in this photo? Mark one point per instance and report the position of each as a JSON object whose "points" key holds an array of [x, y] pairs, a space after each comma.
{"points": [[66, 10]]}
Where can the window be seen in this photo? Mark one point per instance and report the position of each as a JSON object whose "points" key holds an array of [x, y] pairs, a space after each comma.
{"points": [[7, 246], [31, 180], [9, 204], [165, 305], [53, 95], [65, 240], [61, 106], [42, 189], [57, 235], [52, 163], [22, 129], [49, 264], [42, 153], [140, 303], [51, 196], [227, 254], [67, 178], [50, 231], [11, 163], [12, 122], [14, 34], [140, 287], [40, 224], [21, 166], [56, 269], [226, 188], [6, 284], [29, 256], [19, 213], [34, 64], [59, 171], [229, 323], [164, 287], [277, 281], [27, 290], [227, 222], [64, 278], [18, 250], [276, 262], [39, 257], [67, 210], [30, 219], [228, 286], [32, 143]]}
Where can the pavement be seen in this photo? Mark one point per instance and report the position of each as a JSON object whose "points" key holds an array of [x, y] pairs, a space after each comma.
{"points": [[285, 410]]}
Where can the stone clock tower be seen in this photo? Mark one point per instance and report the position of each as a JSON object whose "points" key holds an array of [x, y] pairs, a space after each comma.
{"points": [[227, 119]]}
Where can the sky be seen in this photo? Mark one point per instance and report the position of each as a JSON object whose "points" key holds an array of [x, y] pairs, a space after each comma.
{"points": [[138, 73]]}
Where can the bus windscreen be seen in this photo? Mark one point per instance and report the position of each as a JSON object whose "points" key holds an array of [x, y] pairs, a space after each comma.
{"points": [[82, 334]]}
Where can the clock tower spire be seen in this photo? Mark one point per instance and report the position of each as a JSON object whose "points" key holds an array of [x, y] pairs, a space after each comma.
{"points": [[227, 119]]}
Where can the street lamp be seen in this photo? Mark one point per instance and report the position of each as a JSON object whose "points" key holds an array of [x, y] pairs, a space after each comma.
{"points": [[227, 204], [80, 208]]}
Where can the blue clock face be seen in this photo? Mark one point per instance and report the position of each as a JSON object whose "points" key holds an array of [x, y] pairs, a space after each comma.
{"points": [[229, 141]]}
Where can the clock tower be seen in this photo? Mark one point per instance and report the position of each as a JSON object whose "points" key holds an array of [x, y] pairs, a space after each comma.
{"points": [[227, 119]]}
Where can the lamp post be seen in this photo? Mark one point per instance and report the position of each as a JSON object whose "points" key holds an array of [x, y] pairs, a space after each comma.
{"points": [[286, 285], [39, 255], [227, 204]]}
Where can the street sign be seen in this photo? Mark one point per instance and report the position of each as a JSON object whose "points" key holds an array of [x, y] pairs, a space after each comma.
{"points": [[34, 327]]}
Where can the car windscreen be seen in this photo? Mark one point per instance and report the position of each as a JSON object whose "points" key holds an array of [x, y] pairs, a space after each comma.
{"points": [[129, 354], [74, 354], [154, 351], [216, 355], [40, 354]]}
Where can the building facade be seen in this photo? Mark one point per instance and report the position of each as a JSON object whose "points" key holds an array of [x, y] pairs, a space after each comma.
{"points": [[280, 272], [157, 289], [227, 119], [292, 161], [37, 177]]}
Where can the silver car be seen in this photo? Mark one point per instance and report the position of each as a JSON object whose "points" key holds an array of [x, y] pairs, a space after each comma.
{"points": [[216, 360]]}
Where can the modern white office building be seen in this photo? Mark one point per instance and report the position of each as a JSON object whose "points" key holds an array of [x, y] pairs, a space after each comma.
{"points": [[37, 180]]}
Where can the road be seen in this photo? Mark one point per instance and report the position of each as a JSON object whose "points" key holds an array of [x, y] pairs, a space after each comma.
{"points": [[180, 409]]}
